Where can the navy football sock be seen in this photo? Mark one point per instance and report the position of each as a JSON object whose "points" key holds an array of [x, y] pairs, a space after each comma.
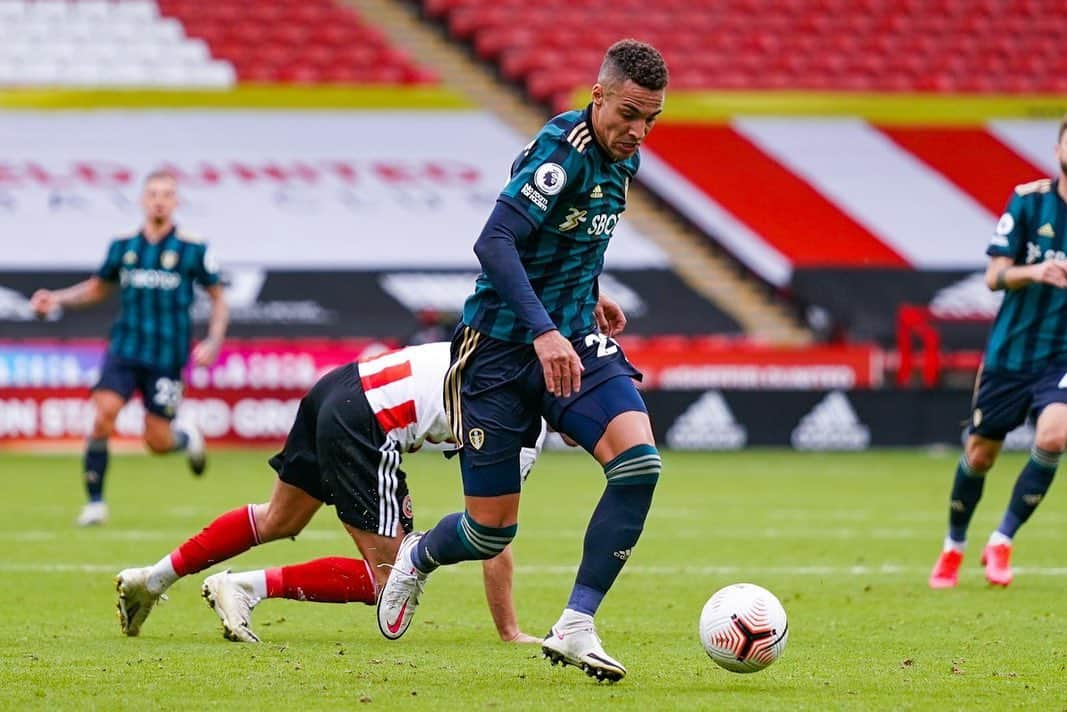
{"points": [[616, 525], [457, 538], [95, 467], [1030, 489], [966, 491]]}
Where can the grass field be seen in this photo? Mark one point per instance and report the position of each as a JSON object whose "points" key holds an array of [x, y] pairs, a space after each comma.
{"points": [[846, 541]]}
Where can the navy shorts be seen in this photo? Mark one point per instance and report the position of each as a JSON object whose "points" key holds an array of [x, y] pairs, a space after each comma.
{"points": [[161, 390], [337, 452], [495, 397], [1004, 400]]}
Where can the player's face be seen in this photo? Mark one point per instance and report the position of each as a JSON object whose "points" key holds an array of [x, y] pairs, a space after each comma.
{"points": [[159, 199], [623, 115]]}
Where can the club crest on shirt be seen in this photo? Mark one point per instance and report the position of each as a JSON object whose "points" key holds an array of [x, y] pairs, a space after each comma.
{"points": [[477, 438], [550, 178], [407, 507], [168, 259], [129, 258]]}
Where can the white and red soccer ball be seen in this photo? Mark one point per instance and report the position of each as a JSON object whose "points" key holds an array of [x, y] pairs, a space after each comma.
{"points": [[743, 628]]}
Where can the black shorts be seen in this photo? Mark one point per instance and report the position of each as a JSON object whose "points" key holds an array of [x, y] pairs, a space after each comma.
{"points": [[495, 398], [1005, 400], [338, 454], [161, 390]]}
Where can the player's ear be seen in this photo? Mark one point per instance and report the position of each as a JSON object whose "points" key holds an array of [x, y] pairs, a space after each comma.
{"points": [[598, 93]]}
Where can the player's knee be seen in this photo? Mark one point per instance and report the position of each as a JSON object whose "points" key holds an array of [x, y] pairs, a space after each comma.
{"points": [[276, 522], [638, 465], [1051, 439], [980, 454], [483, 542]]}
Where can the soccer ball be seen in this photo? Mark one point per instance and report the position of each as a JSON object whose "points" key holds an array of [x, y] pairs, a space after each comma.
{"points": [[743, 628]]}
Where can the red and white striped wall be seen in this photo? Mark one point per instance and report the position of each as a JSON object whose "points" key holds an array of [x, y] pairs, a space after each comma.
{"points": [[797, 192]]}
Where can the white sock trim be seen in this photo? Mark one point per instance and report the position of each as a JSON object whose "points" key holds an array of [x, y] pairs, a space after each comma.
{"points": [[953, 545], [255, 580], [997, 538], [162, 576]]}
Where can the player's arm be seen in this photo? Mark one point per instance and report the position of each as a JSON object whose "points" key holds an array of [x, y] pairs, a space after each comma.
{"points": [[207, 350], [1009, 247], [497, 575], [85, 293], [498, 254], [1003, 273]]}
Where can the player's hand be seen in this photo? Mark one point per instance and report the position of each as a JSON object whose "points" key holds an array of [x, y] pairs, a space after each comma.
{"points": [[44, 302], [1052, 272], [206, 352], [610, 318], [560, 363], [521, 638]]}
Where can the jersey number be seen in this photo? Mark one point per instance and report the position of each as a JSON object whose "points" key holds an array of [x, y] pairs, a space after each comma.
{"points": [[604, 345], [168, 394]]}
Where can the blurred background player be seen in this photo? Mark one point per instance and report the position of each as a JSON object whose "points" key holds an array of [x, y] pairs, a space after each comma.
{"points": [[1024, 373], [529, 331], [155, 271], [344, 450]]}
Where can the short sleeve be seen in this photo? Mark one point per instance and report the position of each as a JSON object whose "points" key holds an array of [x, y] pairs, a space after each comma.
{"points": [[109, 270], [540, 176], [207, 269], [1010, 232]]}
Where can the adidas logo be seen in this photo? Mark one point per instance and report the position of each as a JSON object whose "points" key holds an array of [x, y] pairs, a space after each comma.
{"points": [[707, 424], [597, 193], [831, 425], [624, 554], [1043, 231]]}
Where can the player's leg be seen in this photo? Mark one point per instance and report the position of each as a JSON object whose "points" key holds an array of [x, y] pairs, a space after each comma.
{"points": [[489, 392], [1000, 404], [611, 422], [163, 432], [296, 496], [106, 405], [1033, 482]]}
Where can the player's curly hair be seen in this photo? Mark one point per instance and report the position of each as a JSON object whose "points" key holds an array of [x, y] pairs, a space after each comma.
{"points": [[638, 61]]}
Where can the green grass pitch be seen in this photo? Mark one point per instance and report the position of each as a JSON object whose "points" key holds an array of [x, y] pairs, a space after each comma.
{"points": [[845, 541]]}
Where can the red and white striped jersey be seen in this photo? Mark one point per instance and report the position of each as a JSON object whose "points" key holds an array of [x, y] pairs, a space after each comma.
{"points": [[404, 389]]}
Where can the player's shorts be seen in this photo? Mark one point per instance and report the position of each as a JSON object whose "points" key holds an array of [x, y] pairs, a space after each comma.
{"points": [[161, 390], [337, 452], [1004, 400], [495, 397]]}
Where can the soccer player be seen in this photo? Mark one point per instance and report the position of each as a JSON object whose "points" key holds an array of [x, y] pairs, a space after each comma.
{"points": [[1024, 372], [154, 271], [344, 449], [536, 340]]}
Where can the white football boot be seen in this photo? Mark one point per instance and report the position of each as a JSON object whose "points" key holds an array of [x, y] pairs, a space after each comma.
{"points": [[232, 602], [400, 596], [135, 600], [93, 514], [573, 641], [196, 449]]}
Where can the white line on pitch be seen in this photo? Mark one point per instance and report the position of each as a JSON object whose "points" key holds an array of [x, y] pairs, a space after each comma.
{"points": [[883, 570]]}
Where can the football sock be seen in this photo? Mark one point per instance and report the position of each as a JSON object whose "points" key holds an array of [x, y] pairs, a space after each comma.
{"points": [[181, 438], [616, 525], [1030, 489], [966, 491], [229, 535], [333, 579], [457, 538], [95, 467]]}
